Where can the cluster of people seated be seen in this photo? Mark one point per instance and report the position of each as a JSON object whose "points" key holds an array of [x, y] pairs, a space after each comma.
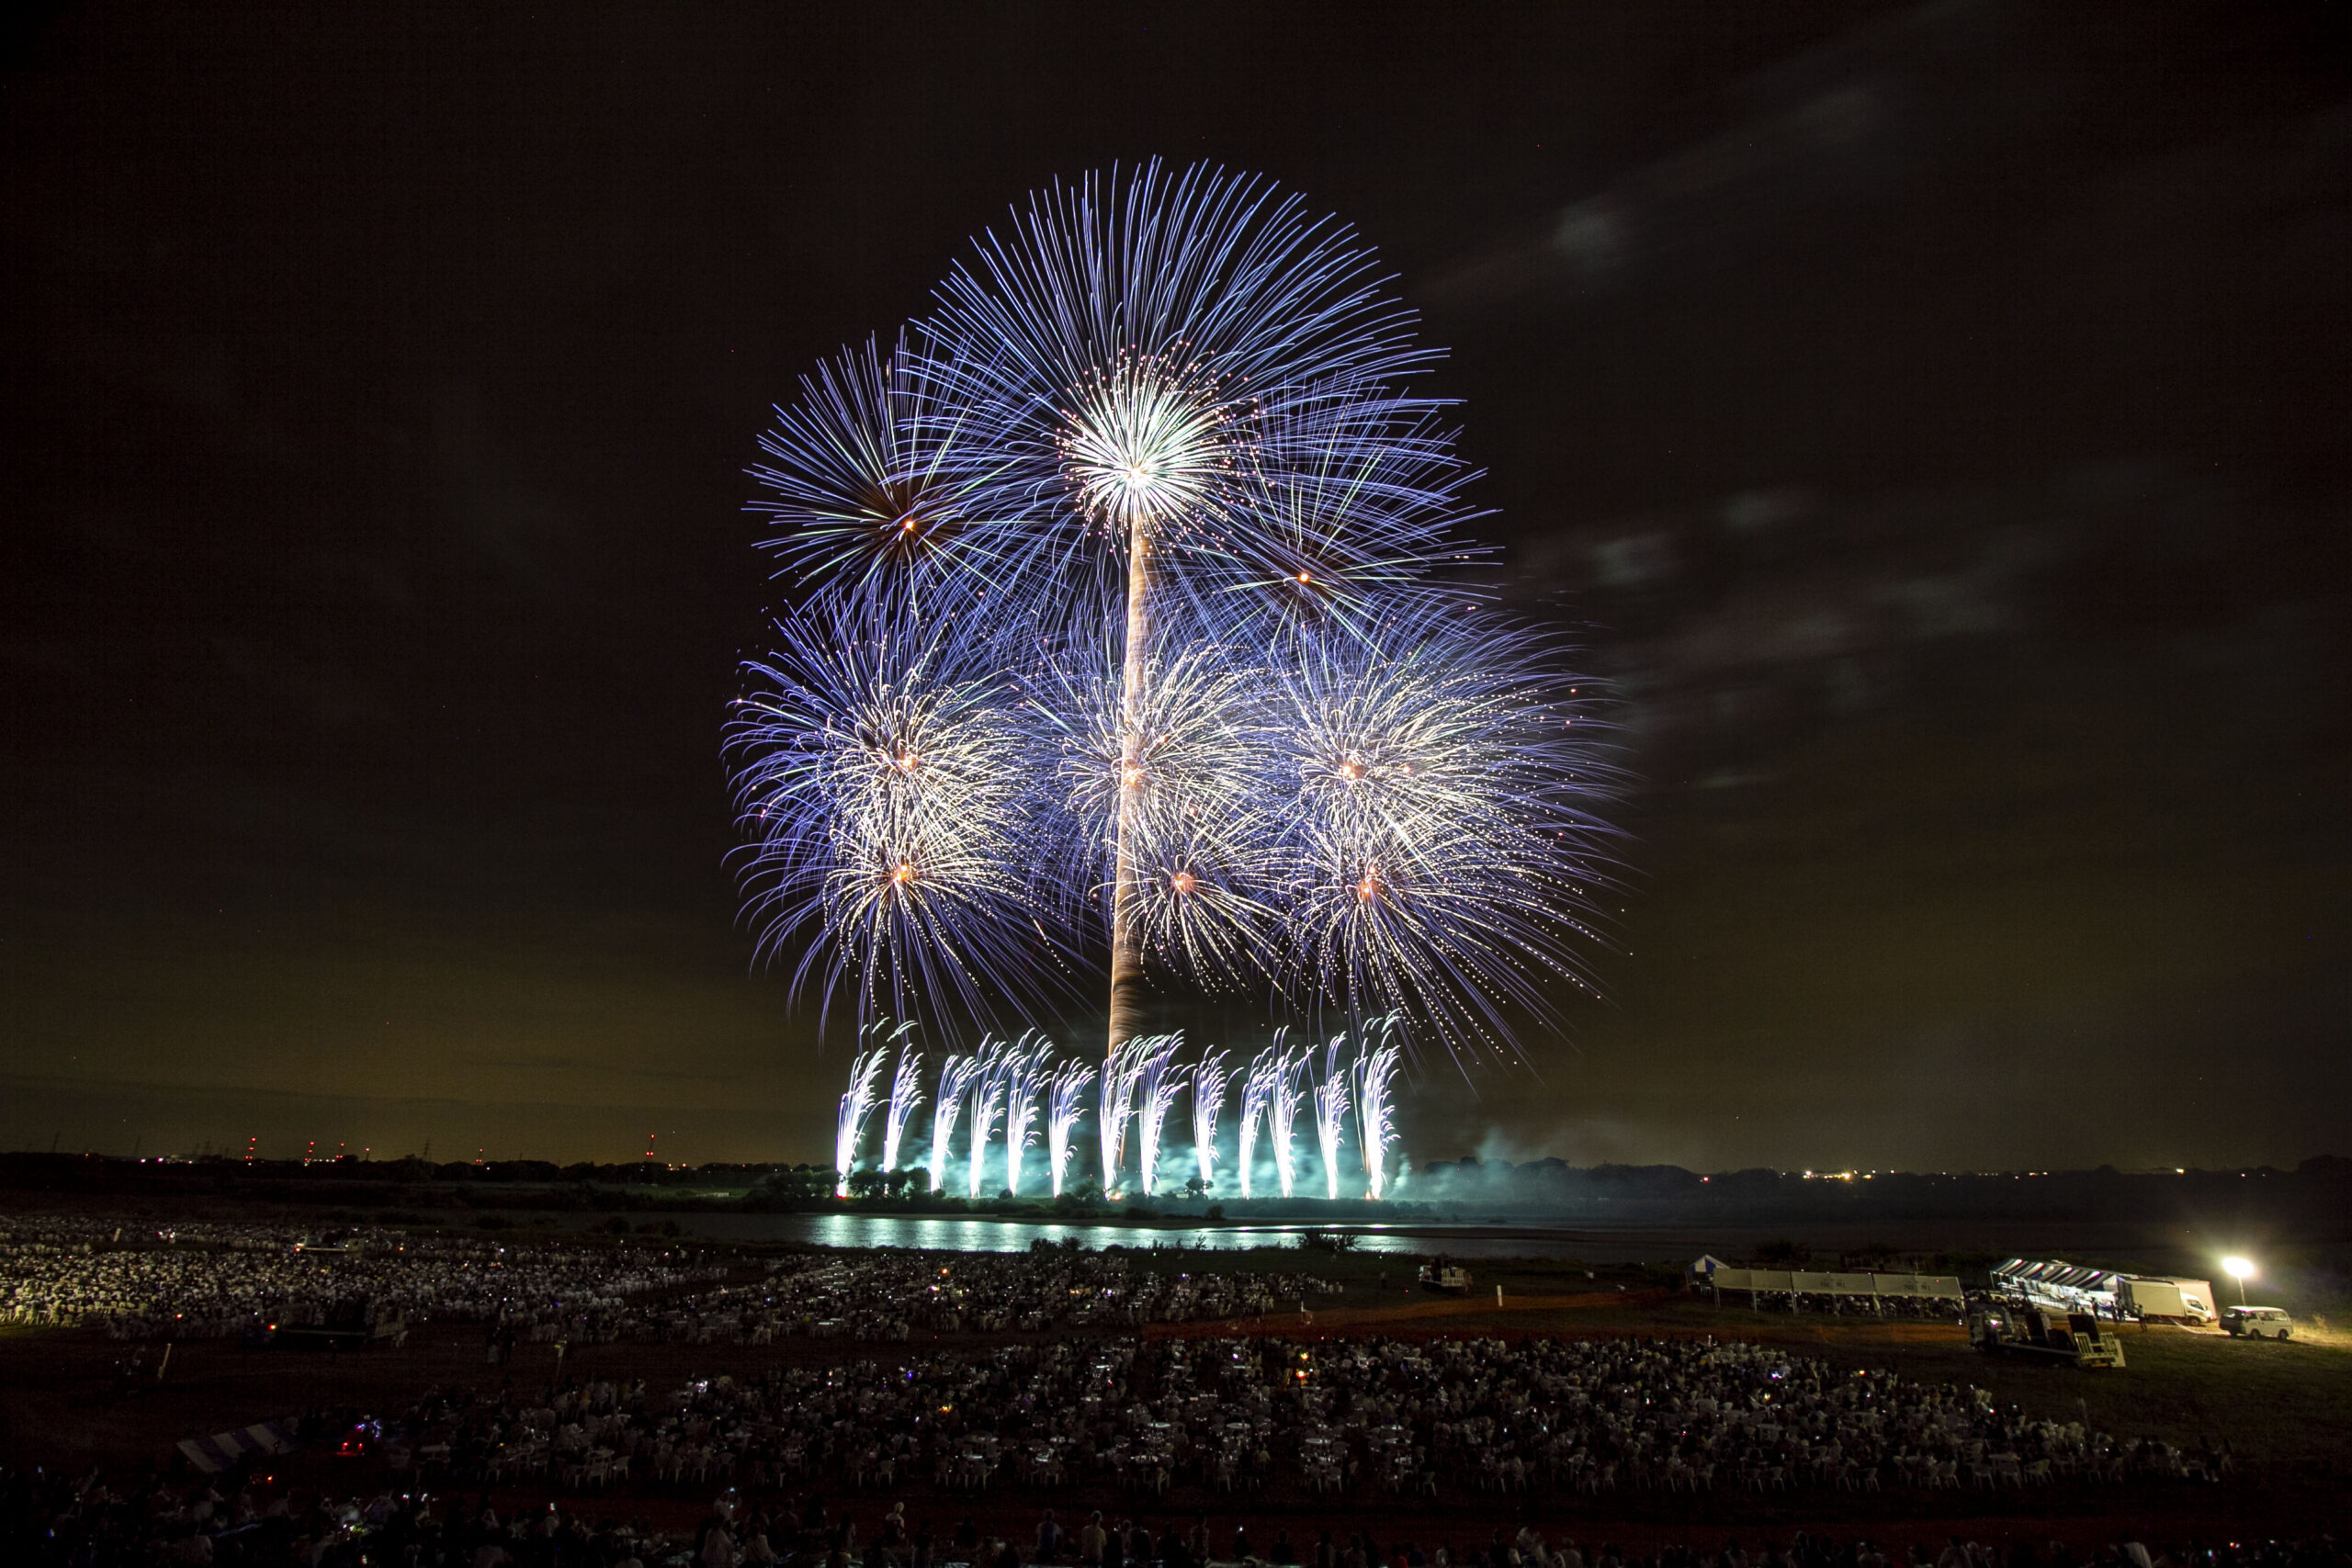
{"points": [[211, 1281], [50, 1519], [882, 1296], [1451, 1415], [1934, 1309], [215, 1282]]}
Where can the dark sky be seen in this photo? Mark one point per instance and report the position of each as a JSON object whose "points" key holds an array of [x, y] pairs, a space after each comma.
{"points": [[1935, 420]]}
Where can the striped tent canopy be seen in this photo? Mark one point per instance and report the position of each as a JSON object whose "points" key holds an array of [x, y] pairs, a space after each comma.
{"points": [[222, 1450]]}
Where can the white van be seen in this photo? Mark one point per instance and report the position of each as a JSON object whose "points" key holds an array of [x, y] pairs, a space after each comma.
{"points": [[2258, 1322]]}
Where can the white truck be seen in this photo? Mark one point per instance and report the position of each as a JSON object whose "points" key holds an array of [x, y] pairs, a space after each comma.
{"points": [[2180, 1300]]}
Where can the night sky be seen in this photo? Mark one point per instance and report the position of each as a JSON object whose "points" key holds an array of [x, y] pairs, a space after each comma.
{"points": [[1936, 423]]}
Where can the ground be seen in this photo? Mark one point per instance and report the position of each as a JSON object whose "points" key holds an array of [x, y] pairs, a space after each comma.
{"points": [[2284, 1409]]}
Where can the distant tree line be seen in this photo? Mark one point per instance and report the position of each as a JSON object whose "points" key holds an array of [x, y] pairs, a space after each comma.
{"points": [[2318, 1190], [2313, 1197]]}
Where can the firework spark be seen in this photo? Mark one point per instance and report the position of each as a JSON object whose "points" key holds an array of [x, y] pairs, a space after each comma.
{"points": [[1068, 1103], [871, 480], [1331, 1113], [1159, 1080], [1173, 779], [884, 783], [1443, 834], [1287, 1094], [1375, 1084], [955, 1077], [857, 1103], [1115, 1109], [990, 1086], [906, 1093], [1257, 1109], [1029, 1071], [1211, 1078]]}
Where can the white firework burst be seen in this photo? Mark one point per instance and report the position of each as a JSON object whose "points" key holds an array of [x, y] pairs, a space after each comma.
{"points": [[888, 788], [1441, 834], [1144, 445]]}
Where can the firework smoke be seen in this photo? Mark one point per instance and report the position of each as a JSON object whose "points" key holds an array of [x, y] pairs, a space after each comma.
{"points": [[1068, 1103], [865, 1078], [1331, 1113], [954, 1082], [1211, 1078]]}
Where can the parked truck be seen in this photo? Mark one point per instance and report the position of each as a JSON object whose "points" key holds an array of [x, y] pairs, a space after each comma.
{"points": [[2178, 1301], [1445, 1275]]}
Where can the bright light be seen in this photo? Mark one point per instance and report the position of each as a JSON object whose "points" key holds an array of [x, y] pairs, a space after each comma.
{"points": [[1143, 447], [2236, 1268]]}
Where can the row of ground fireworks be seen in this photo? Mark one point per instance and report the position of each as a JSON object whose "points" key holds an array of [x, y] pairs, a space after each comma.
{"points": [[1007, 1093]]}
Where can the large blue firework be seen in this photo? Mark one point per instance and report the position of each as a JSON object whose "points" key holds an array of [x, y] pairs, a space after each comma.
{"points": [[1443, 841], [871, 482], [1136, 643], [1136, 348], [882, 786]]}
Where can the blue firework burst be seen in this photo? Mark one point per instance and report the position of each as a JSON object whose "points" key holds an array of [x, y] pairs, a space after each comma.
{"points": [[1139, 647]]}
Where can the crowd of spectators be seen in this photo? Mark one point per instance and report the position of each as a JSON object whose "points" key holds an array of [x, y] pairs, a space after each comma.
{"points": [[882, 1296], [52, 1520], [213, 1282], [1234, 1416], [885, 1297]]}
